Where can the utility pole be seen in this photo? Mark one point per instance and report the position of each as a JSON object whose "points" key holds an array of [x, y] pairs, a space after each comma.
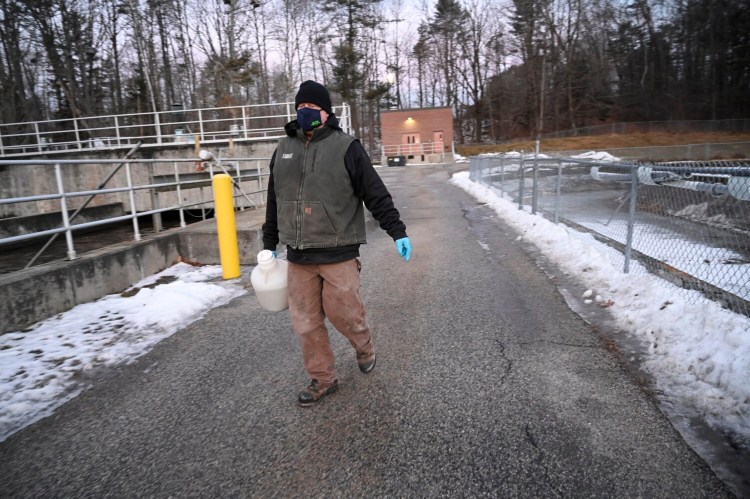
{"points": [[540, 119]]}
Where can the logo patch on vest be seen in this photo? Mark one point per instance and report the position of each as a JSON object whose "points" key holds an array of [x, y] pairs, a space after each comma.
{"points": [[308, 211], [287, 155]]}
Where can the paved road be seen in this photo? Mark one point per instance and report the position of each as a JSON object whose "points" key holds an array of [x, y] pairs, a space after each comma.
{"points": [[486, 384]]}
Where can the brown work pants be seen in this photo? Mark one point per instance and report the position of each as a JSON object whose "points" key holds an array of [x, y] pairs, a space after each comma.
{"points": [[332, 291]]}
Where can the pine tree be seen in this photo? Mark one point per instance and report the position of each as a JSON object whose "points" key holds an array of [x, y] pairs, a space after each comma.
{"points": [[348, 76]]}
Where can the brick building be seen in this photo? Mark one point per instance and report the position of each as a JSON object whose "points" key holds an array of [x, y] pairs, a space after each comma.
{"points": [[414, 136]]}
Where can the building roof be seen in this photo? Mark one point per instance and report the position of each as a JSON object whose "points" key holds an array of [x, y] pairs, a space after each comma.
{"points": [[411, 110]]}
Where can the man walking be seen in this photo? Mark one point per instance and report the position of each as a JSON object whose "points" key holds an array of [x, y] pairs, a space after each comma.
{"points": [[320, 178]]}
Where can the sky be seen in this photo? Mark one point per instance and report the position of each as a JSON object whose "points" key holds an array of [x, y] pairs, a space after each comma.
{"points": [[698, 354]]}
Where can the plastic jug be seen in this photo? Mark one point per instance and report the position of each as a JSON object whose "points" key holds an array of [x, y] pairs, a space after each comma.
{"points": [[269, 282]]}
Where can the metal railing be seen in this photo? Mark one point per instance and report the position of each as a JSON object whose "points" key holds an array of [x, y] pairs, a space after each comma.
{"points": [[687, 222], [414, 149], [155, 129], [144, 187]]}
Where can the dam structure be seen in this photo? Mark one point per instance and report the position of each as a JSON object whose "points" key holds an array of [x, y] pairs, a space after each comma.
{"points": [[90, 206]]}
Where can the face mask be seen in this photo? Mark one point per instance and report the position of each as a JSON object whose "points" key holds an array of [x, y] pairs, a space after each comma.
{"points": [[308, 118]]}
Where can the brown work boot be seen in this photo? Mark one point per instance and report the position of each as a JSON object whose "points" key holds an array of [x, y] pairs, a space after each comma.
{"points": [[366, 362], [316, 391]]}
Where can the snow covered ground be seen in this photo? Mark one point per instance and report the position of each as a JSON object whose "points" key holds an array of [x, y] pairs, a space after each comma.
{"points": [[698, 354], [39, 366]]}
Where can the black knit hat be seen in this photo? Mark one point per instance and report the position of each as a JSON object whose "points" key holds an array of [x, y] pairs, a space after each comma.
{"points": [[314, 93]]}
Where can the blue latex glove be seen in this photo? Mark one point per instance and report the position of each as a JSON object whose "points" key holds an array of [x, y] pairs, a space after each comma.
{"points": [[403, 246], [274, 253]]}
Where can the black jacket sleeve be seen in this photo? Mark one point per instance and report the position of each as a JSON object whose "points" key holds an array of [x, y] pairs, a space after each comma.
{"points": [[369, 187], [270, 228]]}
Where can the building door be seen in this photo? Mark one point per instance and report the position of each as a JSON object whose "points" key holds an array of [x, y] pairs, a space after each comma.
{"points": [[437, 139], [410, 141]]}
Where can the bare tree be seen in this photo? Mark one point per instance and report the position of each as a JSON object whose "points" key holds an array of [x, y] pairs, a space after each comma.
{"points": [[181, 43], [292, 41], [528, 27], [480, 47], [564, 19], [397, 45], [16, 91]]}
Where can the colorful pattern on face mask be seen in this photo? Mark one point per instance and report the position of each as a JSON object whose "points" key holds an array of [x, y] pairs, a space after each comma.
{"points": [[308, 118]]}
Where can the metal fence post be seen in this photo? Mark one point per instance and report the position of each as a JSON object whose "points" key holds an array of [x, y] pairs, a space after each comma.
{"points": [[38, 137], [521, 181], [535, 185], [502, 176], [117, 130], [64, 211], [78, 135], [179, 195], [239, 183], [133, 210], [631, 217], [558, 184], [260, 183], [155, 204], [244, 121], [200, 125], [157, 126]]}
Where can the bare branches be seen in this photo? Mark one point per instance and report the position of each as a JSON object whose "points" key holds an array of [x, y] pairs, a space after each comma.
{"points": [[506, 67]]}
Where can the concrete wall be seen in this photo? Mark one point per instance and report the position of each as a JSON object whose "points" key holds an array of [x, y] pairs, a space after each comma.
{"points": [[43, 291], [40, 292], [21, 180], [35, 294], [17, 226]]}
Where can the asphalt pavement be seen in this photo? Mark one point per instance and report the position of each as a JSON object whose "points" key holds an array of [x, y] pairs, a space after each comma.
{"points": [[487, 384]]}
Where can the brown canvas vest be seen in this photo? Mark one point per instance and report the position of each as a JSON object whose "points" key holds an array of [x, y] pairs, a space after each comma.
{"points": [[315, 203]]}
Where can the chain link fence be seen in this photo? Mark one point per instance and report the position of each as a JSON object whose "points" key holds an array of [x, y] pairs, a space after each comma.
{"points": [[687, 222]]}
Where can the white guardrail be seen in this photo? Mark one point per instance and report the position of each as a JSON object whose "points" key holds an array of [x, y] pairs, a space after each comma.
{"points": [[144, 187], [156, 129]]}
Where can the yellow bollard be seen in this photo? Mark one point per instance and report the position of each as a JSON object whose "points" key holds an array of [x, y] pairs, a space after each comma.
{"points": [[227, 228]]}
